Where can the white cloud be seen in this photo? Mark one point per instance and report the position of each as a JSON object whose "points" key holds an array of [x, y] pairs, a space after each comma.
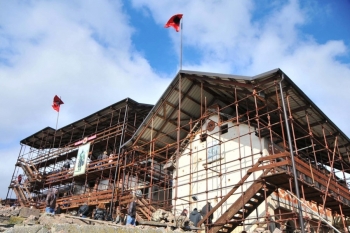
{"points": [[79, 50], [232, 39]]}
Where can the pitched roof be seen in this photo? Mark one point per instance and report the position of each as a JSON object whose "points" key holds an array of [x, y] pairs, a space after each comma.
{"points": [[87, 126], [161, 122]]}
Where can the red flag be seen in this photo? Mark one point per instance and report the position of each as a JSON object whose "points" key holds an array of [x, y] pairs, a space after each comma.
{"points": [[174, 22], [56, 103]]}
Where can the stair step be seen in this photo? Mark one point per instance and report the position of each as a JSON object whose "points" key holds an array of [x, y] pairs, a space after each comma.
{"points": [[253, 200], [243, 211], [259, 195]]}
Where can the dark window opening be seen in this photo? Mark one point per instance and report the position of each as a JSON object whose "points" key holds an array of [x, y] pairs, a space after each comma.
{"points": [[224, 129], [204, 137], [224, 118]]}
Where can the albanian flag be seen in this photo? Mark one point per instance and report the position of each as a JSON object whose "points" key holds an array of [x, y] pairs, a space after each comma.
{"points": [[56, 103], [174, 22]]}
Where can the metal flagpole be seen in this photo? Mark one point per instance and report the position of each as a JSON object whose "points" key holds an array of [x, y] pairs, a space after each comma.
{"points": [[58, 115], [54, 136], [181, 43]]}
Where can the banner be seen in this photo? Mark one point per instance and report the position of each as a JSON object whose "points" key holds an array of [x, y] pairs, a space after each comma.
{"points": [[80, 162]]}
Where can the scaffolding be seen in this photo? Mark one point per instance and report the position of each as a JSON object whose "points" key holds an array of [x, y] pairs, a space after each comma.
{"points": [[48, 158], [236, 142]]}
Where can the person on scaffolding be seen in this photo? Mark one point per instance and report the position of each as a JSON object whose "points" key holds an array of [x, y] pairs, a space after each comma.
{"points": [[66, 165], [206, 209], [19, 179], [102, 156]]}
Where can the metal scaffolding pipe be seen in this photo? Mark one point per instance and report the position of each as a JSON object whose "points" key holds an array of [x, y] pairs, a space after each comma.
{"points": [[117, 166], [301, 222]]}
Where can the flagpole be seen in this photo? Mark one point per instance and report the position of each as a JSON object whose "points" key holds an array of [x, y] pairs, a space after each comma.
{"points": [[181, 44], [58, 114], [54, 137]]}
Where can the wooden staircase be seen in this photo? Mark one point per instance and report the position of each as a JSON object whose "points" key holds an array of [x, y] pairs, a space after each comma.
{"points": [[144, 209], [21, 196], [30, 170]]}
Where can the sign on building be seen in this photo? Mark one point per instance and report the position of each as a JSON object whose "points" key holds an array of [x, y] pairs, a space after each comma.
{"points": [[80, 162]]}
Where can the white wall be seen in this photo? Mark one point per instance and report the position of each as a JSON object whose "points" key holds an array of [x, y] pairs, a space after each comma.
{"points": [[236, 156]]}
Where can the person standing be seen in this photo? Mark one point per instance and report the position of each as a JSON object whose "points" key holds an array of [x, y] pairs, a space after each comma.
{"points": [[104, 156], [51, 201], [195, 217], [66, 165], [19, 179], [131, 213], [184, 212], [110, 161], [206, 209]]}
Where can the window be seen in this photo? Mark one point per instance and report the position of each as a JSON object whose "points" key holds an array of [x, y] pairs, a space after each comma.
{"points": [[224, 118], [224, 129], [203, 137], [213, 150]]}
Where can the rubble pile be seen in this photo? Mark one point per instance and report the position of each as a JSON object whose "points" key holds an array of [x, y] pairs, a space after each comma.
{"points": [[8, 211], [31, 220]]}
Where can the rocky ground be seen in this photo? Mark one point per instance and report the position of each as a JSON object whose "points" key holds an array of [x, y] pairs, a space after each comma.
{"points": [[31, 220]]}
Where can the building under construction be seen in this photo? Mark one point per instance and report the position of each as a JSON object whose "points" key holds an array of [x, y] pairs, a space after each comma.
{"points": [[257, 149]]}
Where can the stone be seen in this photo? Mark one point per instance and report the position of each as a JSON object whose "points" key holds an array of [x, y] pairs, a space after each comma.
{"points": [[16, 211], [31, 220], [26, 212], [29, 229], [161, 215]]}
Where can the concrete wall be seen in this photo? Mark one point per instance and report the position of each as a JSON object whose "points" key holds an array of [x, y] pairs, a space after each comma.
{"points": [[238, 151]]}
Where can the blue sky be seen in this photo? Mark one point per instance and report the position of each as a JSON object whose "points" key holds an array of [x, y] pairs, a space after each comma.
{"points": [[95, 53]]}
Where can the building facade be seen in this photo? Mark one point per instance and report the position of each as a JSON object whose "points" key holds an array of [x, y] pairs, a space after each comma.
{"points": [[256, 148]]}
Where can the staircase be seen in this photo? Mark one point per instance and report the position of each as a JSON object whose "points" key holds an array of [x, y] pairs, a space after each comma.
{"points": [[22, 198], [29, 170], [144, 209], [242, 207], [250, 199]]}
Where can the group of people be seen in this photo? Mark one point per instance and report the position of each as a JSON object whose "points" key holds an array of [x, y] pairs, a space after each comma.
{"points": [[100, 212], [103, 157], [196, 216]]}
